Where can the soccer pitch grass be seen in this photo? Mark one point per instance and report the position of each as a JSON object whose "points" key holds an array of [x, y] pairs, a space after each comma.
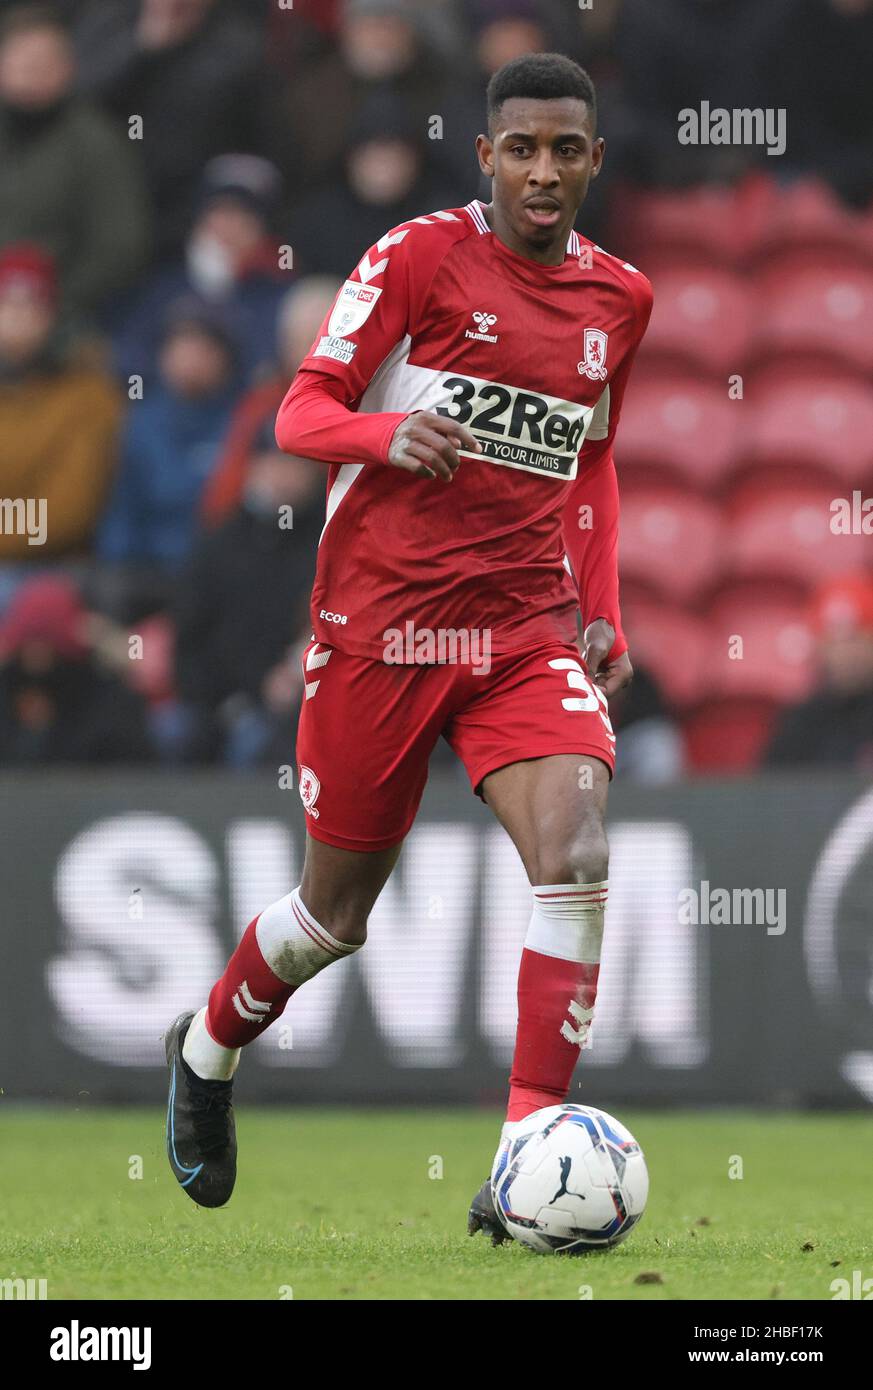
{"points": [[339, 1204]]}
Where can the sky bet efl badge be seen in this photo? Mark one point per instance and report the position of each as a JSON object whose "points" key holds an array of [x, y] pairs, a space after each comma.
{"points": [[593, 363], [354, 305]]}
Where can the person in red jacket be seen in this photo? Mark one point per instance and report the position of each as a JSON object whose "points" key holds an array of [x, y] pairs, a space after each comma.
{"points": [[465, 390]]}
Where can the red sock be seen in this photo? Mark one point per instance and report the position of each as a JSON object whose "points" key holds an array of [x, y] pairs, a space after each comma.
{"points": [[281, 949], [248, 997], [557, 986]]}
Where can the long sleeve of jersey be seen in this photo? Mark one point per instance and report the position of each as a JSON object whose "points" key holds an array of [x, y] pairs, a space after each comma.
{"points": [[316, 422], [591, 512], [330, 412]]}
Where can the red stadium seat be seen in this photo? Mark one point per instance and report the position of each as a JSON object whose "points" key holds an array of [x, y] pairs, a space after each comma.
{"points": [[677, 424], [671, 643], [806, 421], [785, 531], [700, 320], [805, 222], [693, 225], [759, 647], [671, 540], [822, 315], [728, 735]]}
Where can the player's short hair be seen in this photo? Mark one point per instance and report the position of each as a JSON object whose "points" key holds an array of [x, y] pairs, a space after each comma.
{"points": [[541, 77]]}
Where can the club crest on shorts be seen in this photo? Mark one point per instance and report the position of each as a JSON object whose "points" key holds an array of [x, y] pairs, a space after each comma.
{"points": [[593, 364], [309, 789]]}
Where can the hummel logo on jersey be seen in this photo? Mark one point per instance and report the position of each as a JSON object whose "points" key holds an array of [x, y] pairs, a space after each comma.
{"points": [[249, 1008], [593, 364], [483, 322]]}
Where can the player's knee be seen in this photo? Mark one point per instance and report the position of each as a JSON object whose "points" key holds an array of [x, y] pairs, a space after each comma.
{"points": [[583, 859], [347, 924]]}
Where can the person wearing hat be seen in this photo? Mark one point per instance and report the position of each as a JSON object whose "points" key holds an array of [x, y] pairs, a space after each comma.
{"points": [[834, 726], [56, 703], [231, 259], [169, 447], [59, 423]]}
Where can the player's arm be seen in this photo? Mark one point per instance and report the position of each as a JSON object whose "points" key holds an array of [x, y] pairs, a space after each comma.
{"points": [[591, 542], [319, 417], [590, 519]]}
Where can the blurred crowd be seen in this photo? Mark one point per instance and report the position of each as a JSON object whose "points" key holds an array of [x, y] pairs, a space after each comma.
{"points": [[183, 186]]}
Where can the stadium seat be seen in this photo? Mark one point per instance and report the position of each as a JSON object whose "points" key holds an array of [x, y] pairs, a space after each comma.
{"points": [[700, 320], [759, 647], [784, 531], [804, 223], [728, 735], [671, 643], [675, 424], [691, 226], [821, 315], [670, 539], [801, 420]]}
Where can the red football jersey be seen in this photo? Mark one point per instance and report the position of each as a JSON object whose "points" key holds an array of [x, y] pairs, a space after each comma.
{"points": [[440, 315]]}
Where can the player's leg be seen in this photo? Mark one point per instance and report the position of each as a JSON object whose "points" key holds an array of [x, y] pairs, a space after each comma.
{"points": [[539, 748], [563, 846], [365, 736], [553, 810]]}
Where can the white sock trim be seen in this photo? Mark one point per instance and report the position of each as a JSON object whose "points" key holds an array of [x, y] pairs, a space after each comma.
{"points": [[294, 944], [567, 921], [207, 1058]]}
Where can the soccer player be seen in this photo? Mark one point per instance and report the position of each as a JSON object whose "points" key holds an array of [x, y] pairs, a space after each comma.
{"points": [[465, 390]]}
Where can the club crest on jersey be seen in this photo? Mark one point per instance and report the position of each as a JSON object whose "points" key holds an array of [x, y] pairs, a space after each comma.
{"points": [[593, 364], [353, 306], [309, 789], [483, 323]]}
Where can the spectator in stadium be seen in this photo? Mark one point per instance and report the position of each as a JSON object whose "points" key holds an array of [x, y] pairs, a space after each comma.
{"points": [[68, 180], [231, 258], [59, 422], [385, 183], [678, 53], [195, 72], [649, 749], [831, 50], [834, 726], [243, 603], [169, 447], [381, 52], [56, 704], [300, 317]]}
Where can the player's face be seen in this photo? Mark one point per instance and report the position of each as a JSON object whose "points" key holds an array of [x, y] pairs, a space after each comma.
{"points": [[541, 156]]}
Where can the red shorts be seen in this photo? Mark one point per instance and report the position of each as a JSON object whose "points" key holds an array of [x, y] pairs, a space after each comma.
{"points": [[367, 730]]}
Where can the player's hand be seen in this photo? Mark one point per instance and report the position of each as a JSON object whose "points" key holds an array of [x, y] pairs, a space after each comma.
{"points": [[426, 444], [597, 643]]}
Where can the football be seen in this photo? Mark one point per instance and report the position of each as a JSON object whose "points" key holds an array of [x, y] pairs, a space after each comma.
{"points": [[571, 1179]]}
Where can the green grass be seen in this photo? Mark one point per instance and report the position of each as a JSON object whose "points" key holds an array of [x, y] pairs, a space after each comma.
{"points": [[339, 1205]]}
